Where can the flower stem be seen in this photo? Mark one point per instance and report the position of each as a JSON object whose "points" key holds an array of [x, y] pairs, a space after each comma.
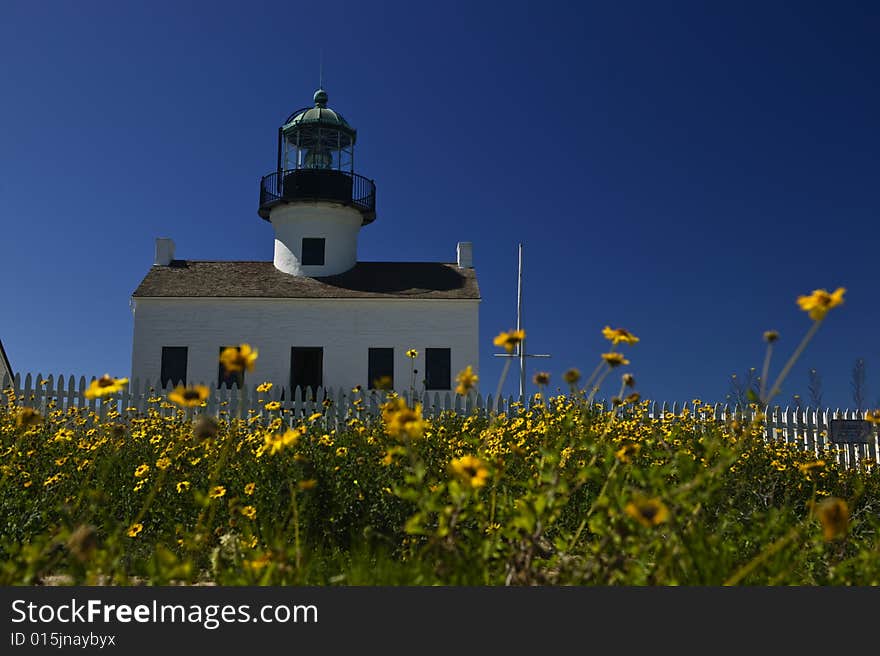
{"points": [[788, 365], [501, 380], [765, 371]]}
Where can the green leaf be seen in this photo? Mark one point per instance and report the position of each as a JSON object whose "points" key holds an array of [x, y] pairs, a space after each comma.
{"points": [[414, 525]]}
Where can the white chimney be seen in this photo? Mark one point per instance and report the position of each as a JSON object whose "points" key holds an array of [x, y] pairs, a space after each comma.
{"points": [[465, 252], [164, 251]]}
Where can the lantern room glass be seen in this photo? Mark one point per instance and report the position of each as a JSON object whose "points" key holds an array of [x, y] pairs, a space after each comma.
{"points": [[317, 147]]}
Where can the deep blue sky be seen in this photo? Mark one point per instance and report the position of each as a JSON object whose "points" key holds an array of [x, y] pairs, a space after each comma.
{"points": [[684, 170]]}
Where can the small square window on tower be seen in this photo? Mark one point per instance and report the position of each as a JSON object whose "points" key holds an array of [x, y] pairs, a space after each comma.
{"points": [[313, 251]]}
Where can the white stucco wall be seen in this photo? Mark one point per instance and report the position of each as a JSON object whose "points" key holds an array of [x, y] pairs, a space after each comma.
{"points": [[344, 328], [337, 224]]}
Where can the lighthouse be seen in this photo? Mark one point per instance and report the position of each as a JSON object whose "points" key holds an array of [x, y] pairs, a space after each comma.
{"points": [[319, 316], [315, 201]]}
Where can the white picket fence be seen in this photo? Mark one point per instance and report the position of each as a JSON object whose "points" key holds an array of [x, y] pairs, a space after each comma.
{"points": [[804, 428]]}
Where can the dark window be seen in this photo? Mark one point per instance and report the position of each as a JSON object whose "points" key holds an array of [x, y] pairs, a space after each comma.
{"points": [[438, 369], [229, 378], [173, 366], [380, 370], [307, 367], [313, 250]]}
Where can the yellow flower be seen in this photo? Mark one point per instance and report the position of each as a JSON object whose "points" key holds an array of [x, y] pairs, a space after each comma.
{"points": [[249, 511], [217, 492], [238, 358], [106, 384], [28, 417], [163, 463], [141, 470], [770, 336], [617, 335], [509, 340], [52, 480], [182, 486], [135, 529], [307, 484], [648, 512], [356, 389], [316, 415], [401, 420], [873, 416], [264, 387], [541, 378], [466, 380], [274, 442], [572, 376], [342, 452], [470, 470], [189, 397], [627, 452], [249, 488], [272, 405], [809, 466], [412, 353], [383, 383], [291, 437], [632, 398], [614, 359], [820, 301], [833, 514]]}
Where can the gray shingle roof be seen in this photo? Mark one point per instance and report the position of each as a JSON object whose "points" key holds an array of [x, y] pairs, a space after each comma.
{"points": [[424, 280]]}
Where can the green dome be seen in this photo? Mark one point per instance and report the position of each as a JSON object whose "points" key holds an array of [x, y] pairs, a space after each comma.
{"points": [[318, 116]]}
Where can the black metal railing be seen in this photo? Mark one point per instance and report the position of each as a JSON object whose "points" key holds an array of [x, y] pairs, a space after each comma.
{"points": [[318, 184]]}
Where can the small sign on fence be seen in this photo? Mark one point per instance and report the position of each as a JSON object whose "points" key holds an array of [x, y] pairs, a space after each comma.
{"points": [[850, 431]]}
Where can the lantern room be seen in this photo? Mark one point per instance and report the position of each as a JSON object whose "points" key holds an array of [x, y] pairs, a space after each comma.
{"points": [[317, 138], [316, 163]]}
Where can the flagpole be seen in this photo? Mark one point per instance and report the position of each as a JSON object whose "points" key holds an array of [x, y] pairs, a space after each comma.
{"points": [[520, 352], [520, 345]]}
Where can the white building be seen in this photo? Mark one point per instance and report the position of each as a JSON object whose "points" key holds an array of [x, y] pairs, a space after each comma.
{"points": [[317, 316]]}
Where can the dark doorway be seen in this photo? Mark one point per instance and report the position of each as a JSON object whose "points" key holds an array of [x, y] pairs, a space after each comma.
{"points": [[307, 367], [173, 366], [438, 369], [380, 368]]}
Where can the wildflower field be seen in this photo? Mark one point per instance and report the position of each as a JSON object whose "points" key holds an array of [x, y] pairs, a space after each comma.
{"points": [[563, 492]]}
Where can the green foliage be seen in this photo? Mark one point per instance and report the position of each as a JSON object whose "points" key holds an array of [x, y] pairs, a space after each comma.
{"points": [[560, 493]]}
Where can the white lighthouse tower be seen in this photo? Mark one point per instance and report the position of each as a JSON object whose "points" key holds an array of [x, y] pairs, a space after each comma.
{"points": [[314, 200]]}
